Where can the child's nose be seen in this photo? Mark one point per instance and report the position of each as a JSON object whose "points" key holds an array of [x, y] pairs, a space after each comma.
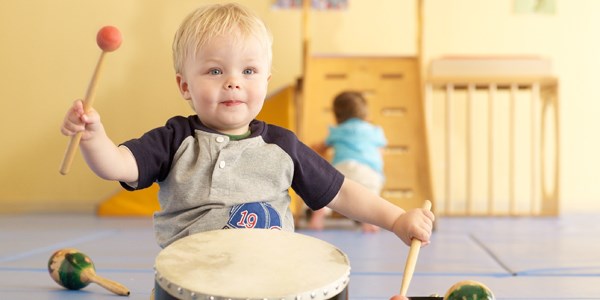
{"points": [[231, 84]]}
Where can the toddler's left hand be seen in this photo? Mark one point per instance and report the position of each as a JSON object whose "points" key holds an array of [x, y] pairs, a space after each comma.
{"points": [[416, 223]]}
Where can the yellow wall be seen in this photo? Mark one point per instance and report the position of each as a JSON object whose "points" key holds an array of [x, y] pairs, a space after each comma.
{"points": [[48, 53]]}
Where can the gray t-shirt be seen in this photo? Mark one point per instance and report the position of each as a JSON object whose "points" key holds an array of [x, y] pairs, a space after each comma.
{"points": [[208, 181]]}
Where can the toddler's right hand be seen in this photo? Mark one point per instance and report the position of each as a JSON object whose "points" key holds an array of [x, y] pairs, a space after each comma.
{"points": [[77, 120]]}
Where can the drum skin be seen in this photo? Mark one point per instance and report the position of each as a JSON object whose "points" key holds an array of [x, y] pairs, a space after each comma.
{"points": [[251, 264]]}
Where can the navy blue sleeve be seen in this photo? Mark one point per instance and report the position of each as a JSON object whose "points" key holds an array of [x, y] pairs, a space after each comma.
{"points": [[154, 151], [315, 180]]}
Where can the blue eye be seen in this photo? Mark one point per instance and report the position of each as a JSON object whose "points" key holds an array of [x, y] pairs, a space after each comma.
{"points": [[215, 72], [248, 72]]}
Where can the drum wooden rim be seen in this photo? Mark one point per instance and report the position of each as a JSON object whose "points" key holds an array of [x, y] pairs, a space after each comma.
{"points": [[285, 265]]}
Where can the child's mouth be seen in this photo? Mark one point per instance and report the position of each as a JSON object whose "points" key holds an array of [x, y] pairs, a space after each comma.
{"points": [[231, 102]]}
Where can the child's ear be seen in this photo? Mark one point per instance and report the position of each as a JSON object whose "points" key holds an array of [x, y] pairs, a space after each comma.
{"points": [[183, 87]]}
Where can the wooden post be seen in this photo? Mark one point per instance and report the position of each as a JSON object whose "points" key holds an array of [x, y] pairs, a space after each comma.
{"points": [[306, 6]]}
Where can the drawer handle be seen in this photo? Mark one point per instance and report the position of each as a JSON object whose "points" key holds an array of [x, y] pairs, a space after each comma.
{"points": [[335, 76], [396, 149], [398, 193], [393, 111], [392, 76]]}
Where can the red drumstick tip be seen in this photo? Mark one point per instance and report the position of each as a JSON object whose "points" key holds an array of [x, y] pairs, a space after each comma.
{"points": [[109, 38]]}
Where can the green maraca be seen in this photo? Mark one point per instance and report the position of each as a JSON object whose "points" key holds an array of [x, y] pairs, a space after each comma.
{"points": [[469, 290], [74, 270]]}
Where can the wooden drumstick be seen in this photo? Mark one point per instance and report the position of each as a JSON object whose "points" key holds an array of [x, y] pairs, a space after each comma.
{"points": [[108, 39], [74, 270], [411, 261]]}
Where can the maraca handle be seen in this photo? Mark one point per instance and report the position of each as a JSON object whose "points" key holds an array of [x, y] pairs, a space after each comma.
{"points": [[108, 284]]}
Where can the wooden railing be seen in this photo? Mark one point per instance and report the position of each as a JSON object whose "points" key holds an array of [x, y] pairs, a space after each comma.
{"points": [[494, 145]]}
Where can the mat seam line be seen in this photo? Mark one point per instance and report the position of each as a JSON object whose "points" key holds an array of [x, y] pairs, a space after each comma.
{"points": [[492, 255]]}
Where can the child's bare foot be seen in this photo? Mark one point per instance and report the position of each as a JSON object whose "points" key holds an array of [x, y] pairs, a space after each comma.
{"points": [[317, 220]]}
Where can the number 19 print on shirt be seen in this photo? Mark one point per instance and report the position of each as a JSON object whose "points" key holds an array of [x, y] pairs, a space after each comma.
{"points": [[254, 215]]}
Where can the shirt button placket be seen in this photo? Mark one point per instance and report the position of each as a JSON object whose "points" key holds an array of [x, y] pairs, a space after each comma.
{"points": [[221, 139]]}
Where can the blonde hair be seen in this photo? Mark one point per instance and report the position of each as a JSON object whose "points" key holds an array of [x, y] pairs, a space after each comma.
{"points": [[205, 23]]}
